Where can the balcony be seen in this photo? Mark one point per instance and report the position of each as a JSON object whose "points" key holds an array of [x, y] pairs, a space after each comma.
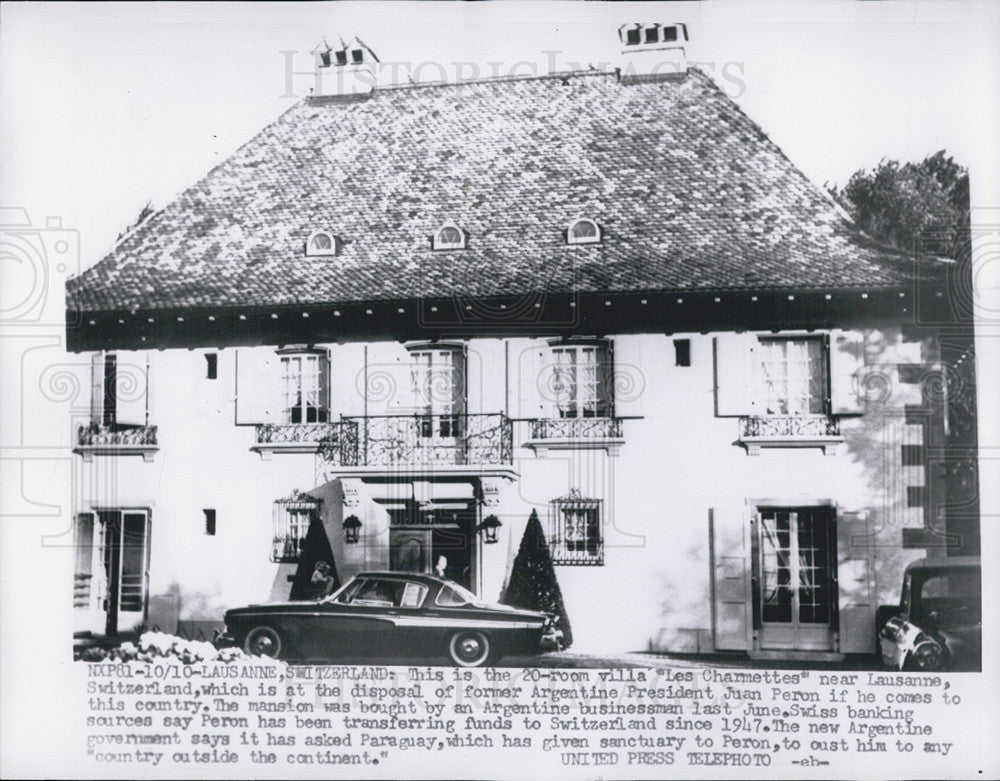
{"points": [[338, 441], [760, 431], [427, 440], [116, 440], [373, 444], [575, 434]]}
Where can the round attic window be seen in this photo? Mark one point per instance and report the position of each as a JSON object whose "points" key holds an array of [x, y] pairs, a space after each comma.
{"points": [[321, 243], [449, 236], [583, 232]]}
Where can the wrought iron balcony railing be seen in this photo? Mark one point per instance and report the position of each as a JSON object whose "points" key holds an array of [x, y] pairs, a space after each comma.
{"points": [[577, 553], [785, 426], [115, 436], [116, 440], [576, 428], [759, 431], [337, 442], [424, 440]]}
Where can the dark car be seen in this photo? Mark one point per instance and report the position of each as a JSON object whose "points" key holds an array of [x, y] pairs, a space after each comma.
{"points": [[391, 614], [938, 623]]}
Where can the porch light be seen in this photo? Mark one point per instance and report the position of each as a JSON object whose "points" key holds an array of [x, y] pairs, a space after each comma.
{"points": [[488, 528], [352, 529]]}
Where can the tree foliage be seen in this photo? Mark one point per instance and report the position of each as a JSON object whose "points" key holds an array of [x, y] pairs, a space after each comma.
{"points": [[533, 583], [913, 206], [924, 208]]}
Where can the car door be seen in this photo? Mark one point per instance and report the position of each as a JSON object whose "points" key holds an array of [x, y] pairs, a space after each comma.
{"points": [[341, 628]]}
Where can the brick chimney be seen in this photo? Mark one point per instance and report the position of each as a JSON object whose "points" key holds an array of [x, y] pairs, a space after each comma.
{"points": [[652, 52], [347, 72]]}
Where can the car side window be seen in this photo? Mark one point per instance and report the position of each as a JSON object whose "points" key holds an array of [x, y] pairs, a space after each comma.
{"points": [[379, 593], [413, 595], [449, 597], [347, 596]]}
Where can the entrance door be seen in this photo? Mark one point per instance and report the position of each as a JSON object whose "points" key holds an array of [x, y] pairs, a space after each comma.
{"points": [[421, 540], [795, 575]]}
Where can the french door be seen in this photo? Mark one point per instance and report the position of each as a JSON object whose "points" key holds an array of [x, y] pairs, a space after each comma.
{"points": [[795, 569], [112, 569]]}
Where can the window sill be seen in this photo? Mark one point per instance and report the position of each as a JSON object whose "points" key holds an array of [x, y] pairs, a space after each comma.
{"points": [[542, 446], [269, 449], [596, 433], [89, 451], [753, 445], [788, 431]]}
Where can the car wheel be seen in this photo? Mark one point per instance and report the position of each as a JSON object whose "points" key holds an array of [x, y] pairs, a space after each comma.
{"points": [[469, 649], [263, 641]]}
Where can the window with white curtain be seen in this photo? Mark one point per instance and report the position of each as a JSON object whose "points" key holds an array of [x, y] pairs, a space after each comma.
{"points": [[305, 387], [793, 376], [581, 382]]}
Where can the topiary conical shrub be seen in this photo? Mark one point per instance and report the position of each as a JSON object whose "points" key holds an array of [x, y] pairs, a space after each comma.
{"points": [[533, 583]]}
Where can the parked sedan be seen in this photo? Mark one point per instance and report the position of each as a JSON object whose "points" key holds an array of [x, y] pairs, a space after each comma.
{"points": [[938, 623], [391, 614]]}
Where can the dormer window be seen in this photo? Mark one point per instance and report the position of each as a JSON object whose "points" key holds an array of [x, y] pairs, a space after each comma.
{"points": [[583, 232], [321, 243], [449, 236]]}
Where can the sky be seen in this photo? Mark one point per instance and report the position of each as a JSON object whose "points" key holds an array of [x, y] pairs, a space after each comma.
{"points": [[108, 106]]}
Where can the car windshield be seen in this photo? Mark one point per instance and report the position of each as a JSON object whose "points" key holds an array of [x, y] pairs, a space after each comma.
{"points": [[953, 595], [453, 595]]}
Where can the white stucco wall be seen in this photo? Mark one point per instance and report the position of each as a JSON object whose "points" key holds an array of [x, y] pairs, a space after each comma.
{"points": [[678, 461]]}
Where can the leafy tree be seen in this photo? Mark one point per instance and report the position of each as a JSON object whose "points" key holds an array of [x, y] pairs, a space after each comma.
{"points": [[912, 206], [533, 583], [924, 208]]}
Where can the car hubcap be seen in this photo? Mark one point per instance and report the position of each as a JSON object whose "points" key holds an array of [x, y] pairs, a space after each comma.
{"points": [[263, 644], [470, 647]]}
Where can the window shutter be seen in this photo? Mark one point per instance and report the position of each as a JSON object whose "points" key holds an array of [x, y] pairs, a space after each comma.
{"points": [[347, 380], [854, 578], [735, 375], [627, 382], [847, 358], [532, 363], [97, 388], [131, 387], [83, 540], [388, 382], [258, 380], [730, 530]]}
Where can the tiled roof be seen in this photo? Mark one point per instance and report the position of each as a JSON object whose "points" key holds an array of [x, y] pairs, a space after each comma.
{"points": [[689, 192]]}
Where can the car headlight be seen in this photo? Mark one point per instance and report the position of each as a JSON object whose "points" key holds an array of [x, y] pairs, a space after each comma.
{"points": [[928, 655]]}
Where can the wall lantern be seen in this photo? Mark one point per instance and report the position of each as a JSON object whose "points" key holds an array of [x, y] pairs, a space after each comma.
{"points": [[488, 528], [352, 529]]}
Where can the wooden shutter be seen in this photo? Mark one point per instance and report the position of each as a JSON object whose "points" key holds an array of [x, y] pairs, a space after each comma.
{"points": [[856, 603], [486, 376], [258, 379], [347, 380], [735, 374], [531, 361], [847, 358], [628, 382], [97, 388], [731, 593], [83, 541], [131, 387]]}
